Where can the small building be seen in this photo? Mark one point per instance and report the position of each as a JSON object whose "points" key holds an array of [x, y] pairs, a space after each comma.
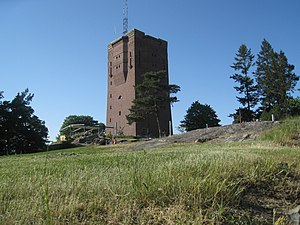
{"points": [[129, 57], [62, 138]]}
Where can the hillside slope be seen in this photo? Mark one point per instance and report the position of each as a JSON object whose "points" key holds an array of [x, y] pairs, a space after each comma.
{"points": [[229, 133]]}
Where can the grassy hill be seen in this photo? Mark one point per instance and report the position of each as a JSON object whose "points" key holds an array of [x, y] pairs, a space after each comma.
{"points": [[233, 183]]}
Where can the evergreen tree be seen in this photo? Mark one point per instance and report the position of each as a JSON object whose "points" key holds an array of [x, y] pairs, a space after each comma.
{"points": [[199, 116], [2, 119], [21, 131], [276, 80], [152, 94], [294, 107], [246, 88]]}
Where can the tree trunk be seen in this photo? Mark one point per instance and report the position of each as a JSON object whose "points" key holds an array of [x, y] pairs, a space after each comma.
{"points": [[158, 124]]}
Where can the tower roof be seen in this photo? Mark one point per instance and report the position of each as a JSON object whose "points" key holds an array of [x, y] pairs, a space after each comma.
{"points": [[135, 32]]}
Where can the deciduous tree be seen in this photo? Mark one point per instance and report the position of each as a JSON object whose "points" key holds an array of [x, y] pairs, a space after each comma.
{"points": [[82, 119]]}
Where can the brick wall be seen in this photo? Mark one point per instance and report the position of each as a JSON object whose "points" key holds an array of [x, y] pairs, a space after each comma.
{"points": [[129, 57]]}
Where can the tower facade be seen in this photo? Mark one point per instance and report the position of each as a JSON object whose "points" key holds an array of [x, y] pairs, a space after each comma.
{"points": [[129, 57]]}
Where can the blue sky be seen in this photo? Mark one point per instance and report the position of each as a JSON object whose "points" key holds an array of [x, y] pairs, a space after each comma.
{"points": [[58, 49]]}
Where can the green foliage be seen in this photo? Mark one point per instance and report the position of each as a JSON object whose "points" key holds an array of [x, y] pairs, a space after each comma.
{"points": [[275, 79], [243, 115], [152, 94], [199, 116], [294, 107], [20, 130], [288, 133], [84, 120], [246, 88], [74, 119], [276, 111], [275, 82], [180, 184]]}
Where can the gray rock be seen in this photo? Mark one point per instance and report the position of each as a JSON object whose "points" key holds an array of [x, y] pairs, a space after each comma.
{"points": [[294, 215], [229, 133]]}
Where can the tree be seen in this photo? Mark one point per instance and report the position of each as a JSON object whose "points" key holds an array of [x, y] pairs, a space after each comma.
{"points": [[2, 119], [275, 78], [152, 94], [21, 131], [84, 120], [294, 107], [246, 88], [243, 115], [199, 116]]}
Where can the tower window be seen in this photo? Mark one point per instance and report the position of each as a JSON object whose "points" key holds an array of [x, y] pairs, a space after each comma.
{"points": [[120, 97], [110, 120], [110, 107], [110, 69], [120, 113], [110, 95]]}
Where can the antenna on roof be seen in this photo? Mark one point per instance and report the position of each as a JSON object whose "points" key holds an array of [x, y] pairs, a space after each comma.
{"points": [[125, 18], [115, 31]]}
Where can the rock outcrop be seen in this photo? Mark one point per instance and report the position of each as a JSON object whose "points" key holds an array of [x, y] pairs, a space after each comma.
{"points": [[229, 133], [90, 139]]}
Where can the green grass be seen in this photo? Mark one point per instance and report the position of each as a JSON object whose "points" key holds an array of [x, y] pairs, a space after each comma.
{"points": [[287, 134], [179, 184]]}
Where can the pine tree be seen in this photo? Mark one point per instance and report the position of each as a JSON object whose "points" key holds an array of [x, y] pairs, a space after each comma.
{"points": [[246, 88], [2, 120], [21, 131], [276, 80], [152, 95]]}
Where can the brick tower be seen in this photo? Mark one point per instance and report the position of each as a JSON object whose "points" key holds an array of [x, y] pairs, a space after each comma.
{"points": [[129, 57]]}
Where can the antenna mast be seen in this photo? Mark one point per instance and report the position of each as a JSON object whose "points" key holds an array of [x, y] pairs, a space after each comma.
{"points": [[125, 18]]}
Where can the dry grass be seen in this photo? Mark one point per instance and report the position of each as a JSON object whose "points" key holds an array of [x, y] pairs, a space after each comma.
{"points": [[179, 184]]}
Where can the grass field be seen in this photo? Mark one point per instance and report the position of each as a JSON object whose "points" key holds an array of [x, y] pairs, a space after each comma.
{"points": [[181, 184]]}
